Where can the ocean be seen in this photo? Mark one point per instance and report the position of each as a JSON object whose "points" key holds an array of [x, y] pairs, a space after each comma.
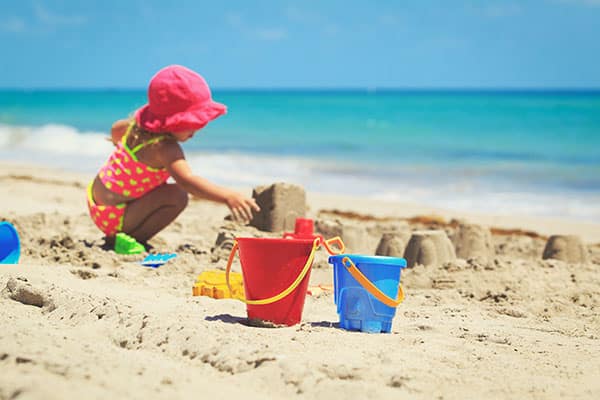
{"points": [[501, 152]]}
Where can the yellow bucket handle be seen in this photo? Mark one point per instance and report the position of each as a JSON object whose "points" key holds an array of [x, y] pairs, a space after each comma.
{"points": [[370, 287], [290, 289]]}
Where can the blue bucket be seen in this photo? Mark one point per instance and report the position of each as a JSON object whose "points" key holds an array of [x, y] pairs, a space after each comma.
{"points": [[10, 248], [367, 291]]}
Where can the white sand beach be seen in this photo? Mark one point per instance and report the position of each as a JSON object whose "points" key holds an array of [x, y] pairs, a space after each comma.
{"points": [[79, 321]]}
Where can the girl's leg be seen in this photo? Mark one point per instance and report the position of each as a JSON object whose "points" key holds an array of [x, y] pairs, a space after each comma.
{"points": [[151, 213]]}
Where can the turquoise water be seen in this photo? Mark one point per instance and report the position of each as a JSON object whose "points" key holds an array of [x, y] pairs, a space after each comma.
{"points": [[505, 152]]}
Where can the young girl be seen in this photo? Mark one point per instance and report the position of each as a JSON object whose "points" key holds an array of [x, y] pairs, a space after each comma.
{"points": [[130, 194]]}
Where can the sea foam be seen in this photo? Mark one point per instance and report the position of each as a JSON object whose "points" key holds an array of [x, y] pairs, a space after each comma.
{"points": [[475, 190]]}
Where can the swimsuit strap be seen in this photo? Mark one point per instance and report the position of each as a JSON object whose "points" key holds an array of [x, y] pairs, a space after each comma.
{"points": [[124, 137], [139, 146], [149, 142]]}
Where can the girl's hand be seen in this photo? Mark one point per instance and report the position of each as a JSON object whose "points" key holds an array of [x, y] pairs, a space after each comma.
{"points": [[241, 207], [171, 156]]}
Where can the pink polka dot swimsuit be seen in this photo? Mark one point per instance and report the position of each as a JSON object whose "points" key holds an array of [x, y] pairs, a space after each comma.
{"points": [[124, 174]]}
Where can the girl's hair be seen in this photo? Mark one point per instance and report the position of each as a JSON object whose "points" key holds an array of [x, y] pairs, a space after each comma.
{"points": [[138, 135]]}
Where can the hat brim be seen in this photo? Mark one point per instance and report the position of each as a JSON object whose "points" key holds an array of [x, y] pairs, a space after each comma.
{"points": [[192, 119]]}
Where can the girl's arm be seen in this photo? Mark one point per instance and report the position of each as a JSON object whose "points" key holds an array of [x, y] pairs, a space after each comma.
{"points": [[173, 159]]}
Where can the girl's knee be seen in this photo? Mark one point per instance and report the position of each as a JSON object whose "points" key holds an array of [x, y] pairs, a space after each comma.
{"points": [[179, 197]]}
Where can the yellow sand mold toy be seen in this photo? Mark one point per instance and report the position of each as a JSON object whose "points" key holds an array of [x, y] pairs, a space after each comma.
{"points": [[212, 283]]}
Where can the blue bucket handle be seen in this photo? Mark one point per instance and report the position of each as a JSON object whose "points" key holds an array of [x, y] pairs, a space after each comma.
{"points": [[370, 287]]}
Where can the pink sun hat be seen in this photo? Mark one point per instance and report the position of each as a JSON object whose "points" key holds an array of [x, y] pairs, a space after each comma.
{"points": [[178, 100]]}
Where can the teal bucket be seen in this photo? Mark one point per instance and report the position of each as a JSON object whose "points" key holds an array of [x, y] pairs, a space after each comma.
{"points": [[367, 291], [10, 247]]}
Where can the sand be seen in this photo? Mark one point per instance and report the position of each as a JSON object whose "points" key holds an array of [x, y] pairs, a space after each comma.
{"points": [[79, 321]]}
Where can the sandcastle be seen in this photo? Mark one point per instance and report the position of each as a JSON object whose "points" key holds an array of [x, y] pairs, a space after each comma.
{"points": [[567, 248], [393, 242], [223, 245], [432, 247], [473, 242], [355, 236], [280, 204]]}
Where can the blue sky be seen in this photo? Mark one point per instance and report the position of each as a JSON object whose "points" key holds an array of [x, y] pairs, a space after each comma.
{"points": [[300, 44]]}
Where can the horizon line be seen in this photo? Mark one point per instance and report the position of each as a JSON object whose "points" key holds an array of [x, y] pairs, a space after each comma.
{"points": [[374, 89]]}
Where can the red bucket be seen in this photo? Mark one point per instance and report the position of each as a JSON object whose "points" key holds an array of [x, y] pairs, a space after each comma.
{"points": [[276, 274]]}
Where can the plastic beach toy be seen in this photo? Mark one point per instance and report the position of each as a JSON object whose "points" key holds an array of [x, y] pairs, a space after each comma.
{"points": [[10, 247], [125, 244], [158, 259], [213, 283], [303, 229], [367, 291], [276, 273]]}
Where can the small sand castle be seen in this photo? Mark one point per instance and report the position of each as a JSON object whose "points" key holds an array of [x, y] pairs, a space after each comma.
{"points": [[427, 248], [354, 235], [473, 242], [356, 238], [393, 243], [223, 245], [280, 204], [567, 248]]}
